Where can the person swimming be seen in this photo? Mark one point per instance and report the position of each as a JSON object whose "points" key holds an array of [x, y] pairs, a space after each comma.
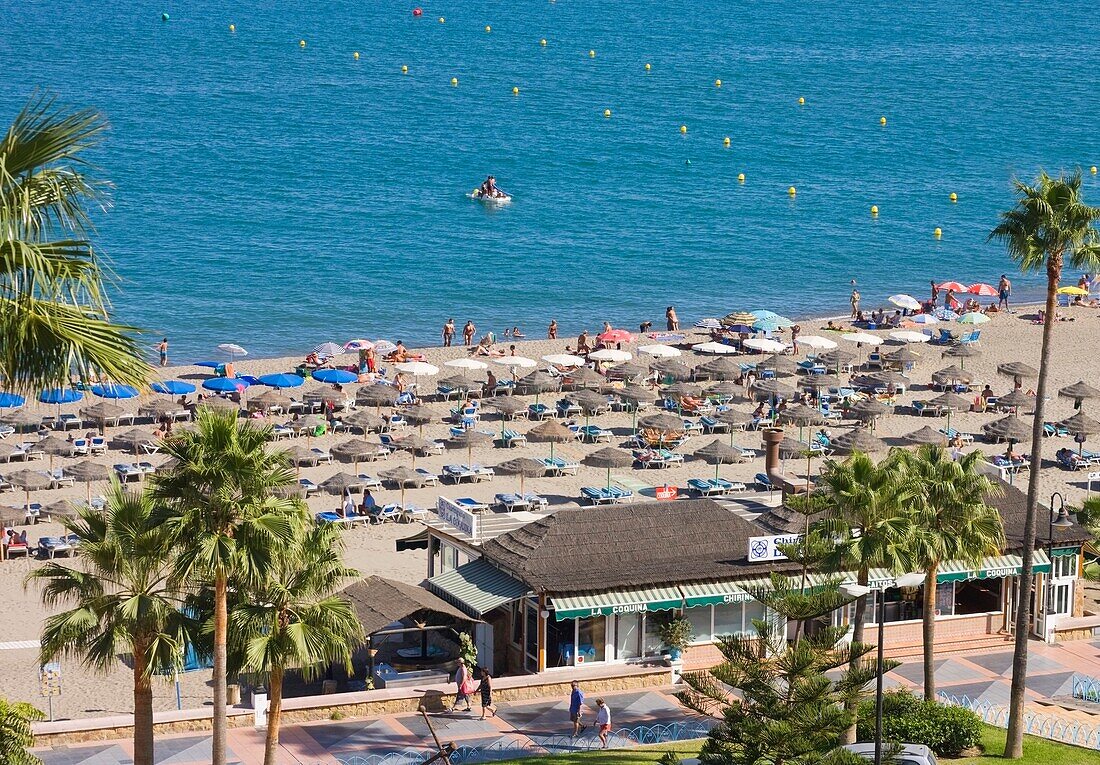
{"points": [[489, 188]]}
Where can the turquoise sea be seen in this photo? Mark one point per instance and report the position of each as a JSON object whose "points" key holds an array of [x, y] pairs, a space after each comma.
{"points": [[278, 196]]}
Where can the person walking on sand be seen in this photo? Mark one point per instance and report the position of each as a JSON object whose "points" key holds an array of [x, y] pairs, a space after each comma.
{"points": [[468, 333], [448, 333], [855, 303], [162, 349], [462, 681], [486, 690], [1004, 290], [552, 330], [935, 293], [603, 720], [672, 321], [576, 708]]}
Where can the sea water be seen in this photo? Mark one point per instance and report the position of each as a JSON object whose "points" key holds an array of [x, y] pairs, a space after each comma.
{"points": [[277, 196]]}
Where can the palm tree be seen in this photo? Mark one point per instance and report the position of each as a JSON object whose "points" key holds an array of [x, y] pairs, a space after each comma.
{"points": [[54, 317], [221, 507], [952, 522], [15, 732], [122, 601], [1048, 226], [294, 620], [868, 520]]}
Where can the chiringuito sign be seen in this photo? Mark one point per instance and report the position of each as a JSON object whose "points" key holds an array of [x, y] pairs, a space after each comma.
{"points": [[763, 549]]}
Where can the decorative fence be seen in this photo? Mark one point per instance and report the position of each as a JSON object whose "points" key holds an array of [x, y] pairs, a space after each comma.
{"points": [[512, 747], [1049, 726], [1086, 688]]}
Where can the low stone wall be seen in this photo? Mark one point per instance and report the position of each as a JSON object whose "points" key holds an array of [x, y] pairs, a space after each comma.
{"points": [[553, 684]]}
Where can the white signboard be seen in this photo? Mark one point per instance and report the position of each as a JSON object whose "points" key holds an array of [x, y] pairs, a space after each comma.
{"points": [[763, 549], [459, 517]]}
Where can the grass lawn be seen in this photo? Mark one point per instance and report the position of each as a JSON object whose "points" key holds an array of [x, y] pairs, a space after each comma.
{"points": [[1037, 751]]}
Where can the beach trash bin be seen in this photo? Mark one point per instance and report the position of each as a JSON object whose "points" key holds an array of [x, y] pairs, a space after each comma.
{"points": [[328, 687], [259, 707], [232, 694]]}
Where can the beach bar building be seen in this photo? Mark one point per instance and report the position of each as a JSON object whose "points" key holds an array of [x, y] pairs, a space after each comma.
{"points": [[591, 585]]}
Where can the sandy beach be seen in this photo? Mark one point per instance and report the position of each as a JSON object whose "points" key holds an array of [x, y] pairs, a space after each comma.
{"points": [[371, 550]]}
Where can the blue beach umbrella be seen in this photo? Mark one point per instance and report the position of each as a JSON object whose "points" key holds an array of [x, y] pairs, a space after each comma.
{"points": [[283, 380], [111, 390], [208, 364], [60, 396], [224, 384], [766, 325], [11, 400], [763, 314], [173, 387], [739, 328], [335, 376]]}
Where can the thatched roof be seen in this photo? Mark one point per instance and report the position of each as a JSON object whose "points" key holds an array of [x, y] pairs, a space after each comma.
{"points": [[638, 545], [1012, 506], [380, 602]]}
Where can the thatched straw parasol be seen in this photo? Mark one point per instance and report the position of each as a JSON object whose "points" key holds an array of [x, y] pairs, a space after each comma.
{"points": [[857, 440], [1018, 370], [608, 458], [524, 467], [403, 476], [341, 483], [364, 420], [377, 396], [467, 440], [1079, 391], [666, 423], [926, 435], [354, 449], [551, 432]]}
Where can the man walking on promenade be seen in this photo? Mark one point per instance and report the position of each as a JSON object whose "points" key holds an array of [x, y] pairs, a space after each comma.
{"points": [[576, 708], [603, 720]]}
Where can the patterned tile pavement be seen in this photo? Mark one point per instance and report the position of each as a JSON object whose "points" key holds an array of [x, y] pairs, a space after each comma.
{"points": [[545, 722]]}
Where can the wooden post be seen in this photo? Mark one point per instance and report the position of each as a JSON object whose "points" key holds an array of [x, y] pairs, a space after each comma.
{"points": [[542, 633]]}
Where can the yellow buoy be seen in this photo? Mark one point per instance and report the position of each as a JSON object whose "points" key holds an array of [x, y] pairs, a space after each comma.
{"points": [[683, 128], [648, 67], [454, 81], [792, 191], [404, 69], [740, 177], [515, 91], [954, 197], [938, 232], [232, 27], [441, 19], [874, 209], [488, 28], [542, 42], [1093, 169], [882, 120], [717, 83], [607, 112], [356, 55], [801, 101], [726, 141], [592, 54], [301, 43]]}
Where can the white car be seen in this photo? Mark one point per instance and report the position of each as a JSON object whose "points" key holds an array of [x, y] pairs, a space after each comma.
{"points": [[896, 754]]}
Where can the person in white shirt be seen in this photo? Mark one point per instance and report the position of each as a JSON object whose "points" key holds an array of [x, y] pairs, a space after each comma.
{"points": [[603, 720], [349, 505]]}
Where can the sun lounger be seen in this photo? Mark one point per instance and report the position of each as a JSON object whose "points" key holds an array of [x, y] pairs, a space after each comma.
{"points": [[127, 472], [68, 421], [510, 438], [32, 513], [763, 483], [17, 547], [706, 487], [1051, 429], [539, 411], [536, 501], [620, 495], [510, 502], [595, 434], [98, 445], [382, 513], [597, 495], [51, 547], [567, 408], [322, 455], [430, 478], [330, 516], [459, 473], [558, 467], [951, 434], [309, 486], [711, 425], [1069, 460], [57, 475], [147, 467], [471, 504], [921, 408]]}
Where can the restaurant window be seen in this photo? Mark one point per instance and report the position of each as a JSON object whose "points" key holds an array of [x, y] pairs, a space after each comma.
{"points": [[517, 622], [754, 609], [561, 641], [729, 619], [978, 596], [628, 636], [1061, 598], [700, 618], [1065, 567], [651, 640], [591, 639]]}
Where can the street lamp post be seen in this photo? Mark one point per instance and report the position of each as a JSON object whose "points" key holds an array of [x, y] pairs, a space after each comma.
{"points": [[1055, 518]]}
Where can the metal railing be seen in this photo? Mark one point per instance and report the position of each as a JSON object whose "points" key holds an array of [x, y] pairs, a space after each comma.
{"points": [[1051, 726], [1086, 688], [514, 747]]}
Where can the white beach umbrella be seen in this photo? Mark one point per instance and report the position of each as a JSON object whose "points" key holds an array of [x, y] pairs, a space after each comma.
{"points": [[563, 359], [905, 301], [466, 364], [417, 368], [232, 349], [713, 347], [765, 345], [660, 351], [817, 342], [861, 337], [329, 349], [708, 324], [358, 344], [610, 354], [515, 361], [383, 347], [973, 318], [909, 336], [924, 318]]}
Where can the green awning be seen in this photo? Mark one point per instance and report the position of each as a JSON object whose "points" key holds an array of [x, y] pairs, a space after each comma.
{"points": [[477, 587], [621, 602], [717, 593], [992, 567], [1060, 551]]}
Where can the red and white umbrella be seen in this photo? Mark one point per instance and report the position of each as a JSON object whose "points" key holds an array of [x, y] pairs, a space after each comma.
{"points": [[615, 336], [982, 290], [953, 286], [358, 345]]}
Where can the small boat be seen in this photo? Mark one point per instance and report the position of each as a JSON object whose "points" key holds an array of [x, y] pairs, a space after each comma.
{"points": [[500, 198]]}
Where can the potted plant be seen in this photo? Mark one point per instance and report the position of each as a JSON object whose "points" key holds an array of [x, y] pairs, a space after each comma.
{"points": [[675, 632]]}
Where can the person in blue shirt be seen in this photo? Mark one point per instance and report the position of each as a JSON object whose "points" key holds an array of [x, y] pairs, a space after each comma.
{"points": [[576, 708]]}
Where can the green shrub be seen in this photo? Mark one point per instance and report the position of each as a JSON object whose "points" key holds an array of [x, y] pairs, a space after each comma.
{"points": [[906, 719]]}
